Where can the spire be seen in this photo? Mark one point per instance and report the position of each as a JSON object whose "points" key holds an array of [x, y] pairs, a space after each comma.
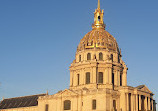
{"points": [[47, 92], [98, 18], [98, 4]]}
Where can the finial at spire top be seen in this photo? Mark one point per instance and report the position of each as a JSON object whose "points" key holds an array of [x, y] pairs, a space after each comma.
{"points": [[98, 4]]}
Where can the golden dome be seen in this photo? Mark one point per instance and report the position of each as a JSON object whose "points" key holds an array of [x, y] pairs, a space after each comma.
{"points": [[99, 39]]}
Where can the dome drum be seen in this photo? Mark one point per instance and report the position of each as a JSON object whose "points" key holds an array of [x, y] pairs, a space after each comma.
{"points": [[97, 54]]}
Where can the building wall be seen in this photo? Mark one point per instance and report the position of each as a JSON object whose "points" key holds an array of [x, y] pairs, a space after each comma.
{"points": [[81, 101]]}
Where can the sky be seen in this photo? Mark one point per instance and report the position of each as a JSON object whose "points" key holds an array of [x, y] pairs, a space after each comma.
{"points": [[39, 38]]}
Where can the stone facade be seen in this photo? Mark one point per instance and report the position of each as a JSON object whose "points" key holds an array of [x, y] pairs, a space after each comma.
{"points": [[98, 78]]}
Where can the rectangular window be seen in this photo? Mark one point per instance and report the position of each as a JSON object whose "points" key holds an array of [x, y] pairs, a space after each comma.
{"points": [[129, 98], [120, 79], [88, 78], [94, 105], [113, 80], [79, 58], [147, 103], [138, 101], [118, 58], [78, 79], [100, 77], [114, 105], [46, 107]]}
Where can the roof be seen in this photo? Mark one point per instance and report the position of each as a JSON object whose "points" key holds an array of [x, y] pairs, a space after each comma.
{"points": [[140, 87], [25, 101], [144, 88]]}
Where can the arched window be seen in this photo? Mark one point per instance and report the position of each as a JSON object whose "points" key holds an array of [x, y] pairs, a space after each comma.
{"points": [[79, 58], [67, 105], [99, 18], [94, 104], [100, 56], [89, 56], [87, 77], [100, 77], [78, 79]]}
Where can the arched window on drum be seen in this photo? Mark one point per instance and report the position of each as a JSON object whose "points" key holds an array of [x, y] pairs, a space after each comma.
{"points": [[79, 58], [89, 56]]}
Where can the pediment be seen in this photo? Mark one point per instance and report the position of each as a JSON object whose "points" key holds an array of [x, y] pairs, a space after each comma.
{"points": [[66, 93], [144, 88]]}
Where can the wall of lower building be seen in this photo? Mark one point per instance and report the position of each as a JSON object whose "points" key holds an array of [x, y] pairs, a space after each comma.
{"points": [[77, 103], [33, 108], [83, 102], [127, 98]]}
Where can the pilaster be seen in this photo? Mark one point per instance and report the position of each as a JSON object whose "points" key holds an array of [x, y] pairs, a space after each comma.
{"points": [[124, 77], [149, 103], [136, 105], [110, 75], [94, 74], [132, 102], [116, 78], [127, 95], [71, 78], [140, 102], [145, 103], [106, 76], [83, 76]]}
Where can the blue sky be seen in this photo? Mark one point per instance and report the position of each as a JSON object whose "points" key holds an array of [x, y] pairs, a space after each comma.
{"points": [[38, 41]]}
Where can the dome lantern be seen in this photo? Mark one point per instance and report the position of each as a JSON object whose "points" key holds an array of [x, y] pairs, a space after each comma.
{"points": [[98, 18]]}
